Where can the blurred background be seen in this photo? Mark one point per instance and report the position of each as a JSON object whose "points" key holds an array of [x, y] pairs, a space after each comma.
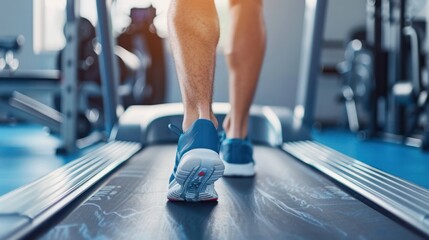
{"points": [[41, 23]]}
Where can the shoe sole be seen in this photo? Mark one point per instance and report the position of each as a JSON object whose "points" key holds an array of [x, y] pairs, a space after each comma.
{"points": [[239, 170], [195, 176]]}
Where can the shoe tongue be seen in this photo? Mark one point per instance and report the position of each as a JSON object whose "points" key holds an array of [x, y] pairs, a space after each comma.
{"points": [[175, 129]]}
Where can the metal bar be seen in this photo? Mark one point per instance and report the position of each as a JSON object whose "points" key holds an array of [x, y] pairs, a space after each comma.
{"points": [[312, 38], [373, 127], [403, 68], [69, 84], [30, 109], [405, 200], [108, 65], [425, 140], [393, 66]]}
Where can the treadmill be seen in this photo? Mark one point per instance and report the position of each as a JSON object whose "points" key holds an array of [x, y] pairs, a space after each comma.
{"points": [[302, 190]]}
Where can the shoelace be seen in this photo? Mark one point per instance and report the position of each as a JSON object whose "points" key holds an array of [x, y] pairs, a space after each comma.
{"points": [[175, 129]]}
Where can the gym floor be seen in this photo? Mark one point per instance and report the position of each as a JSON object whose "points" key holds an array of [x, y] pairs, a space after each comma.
{"points": [[405, 162], [27, 153]]}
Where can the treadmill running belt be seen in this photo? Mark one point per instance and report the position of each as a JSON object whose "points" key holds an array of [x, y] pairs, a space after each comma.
{"points": [[285, 200]]}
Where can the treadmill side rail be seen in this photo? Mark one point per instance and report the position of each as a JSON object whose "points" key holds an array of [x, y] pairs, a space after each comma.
{"points": [[24, 209], [403, 199]]}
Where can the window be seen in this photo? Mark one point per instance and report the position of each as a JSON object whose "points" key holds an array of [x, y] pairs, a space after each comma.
{"points": [[48, 23]]}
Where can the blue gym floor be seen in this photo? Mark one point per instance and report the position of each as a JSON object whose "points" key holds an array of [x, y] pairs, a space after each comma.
{"points": [[406, 162], [27, 152]]}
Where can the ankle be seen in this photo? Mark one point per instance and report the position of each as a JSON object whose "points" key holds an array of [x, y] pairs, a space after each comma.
{"points": [[236, 133], [235, 130], [235, 127], [190, 117]]}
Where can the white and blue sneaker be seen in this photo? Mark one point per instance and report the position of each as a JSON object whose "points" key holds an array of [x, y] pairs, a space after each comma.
{"points": [[198, 164], [237, 155]]}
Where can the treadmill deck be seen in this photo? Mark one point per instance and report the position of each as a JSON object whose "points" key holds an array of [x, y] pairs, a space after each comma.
{"points": [[286, 200]]}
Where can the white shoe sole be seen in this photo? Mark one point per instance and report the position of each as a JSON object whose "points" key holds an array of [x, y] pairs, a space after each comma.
{"points": [[239, 170], [195, 176]]}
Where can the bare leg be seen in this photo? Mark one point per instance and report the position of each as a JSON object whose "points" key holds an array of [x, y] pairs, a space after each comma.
{"points": [[194, 34], [244, 57]]}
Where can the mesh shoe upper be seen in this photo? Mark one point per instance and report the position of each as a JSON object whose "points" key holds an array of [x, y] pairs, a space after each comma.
{"points": [[237, 151]]}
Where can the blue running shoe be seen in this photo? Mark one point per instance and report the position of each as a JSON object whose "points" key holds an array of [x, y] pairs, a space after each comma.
{"points": [[198, 164], [237, 155]]}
